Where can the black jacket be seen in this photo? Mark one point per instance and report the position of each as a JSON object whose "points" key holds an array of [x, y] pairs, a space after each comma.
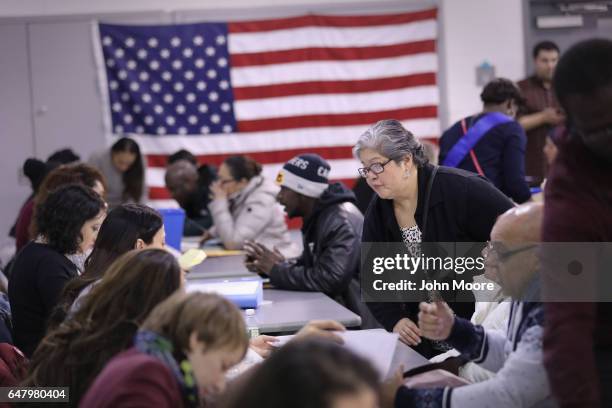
{"points": [[332, 240], [462, 208], [37, 280], [197, 216]]}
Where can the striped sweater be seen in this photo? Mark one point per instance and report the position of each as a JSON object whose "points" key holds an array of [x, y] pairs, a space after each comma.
{"points": [[516, 357]]}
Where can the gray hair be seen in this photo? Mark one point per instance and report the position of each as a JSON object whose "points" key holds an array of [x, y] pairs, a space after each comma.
{"points": [[389, 138]]}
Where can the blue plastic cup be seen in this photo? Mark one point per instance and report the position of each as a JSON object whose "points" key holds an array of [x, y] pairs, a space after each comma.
{"points": [[174, 218]]}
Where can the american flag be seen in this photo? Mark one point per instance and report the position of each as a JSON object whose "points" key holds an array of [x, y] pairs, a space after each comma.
{"points": [[268, 88]]}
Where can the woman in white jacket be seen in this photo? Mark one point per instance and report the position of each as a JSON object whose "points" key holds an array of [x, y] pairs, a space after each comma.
{"points": [[244, 208]]}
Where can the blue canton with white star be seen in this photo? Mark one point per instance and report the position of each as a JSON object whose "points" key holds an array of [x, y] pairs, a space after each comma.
{"points": [[168, 79]]}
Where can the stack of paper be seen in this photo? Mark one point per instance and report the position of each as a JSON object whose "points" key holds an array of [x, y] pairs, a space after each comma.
{"points": [[246, 293]]}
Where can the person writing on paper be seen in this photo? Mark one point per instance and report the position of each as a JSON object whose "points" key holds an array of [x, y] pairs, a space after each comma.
{"points": [[190, 187], [331, 234], [180, 355], [499, 150], [461, 207], [104, 325], [244, 208], [261, 347], [516, 357]]}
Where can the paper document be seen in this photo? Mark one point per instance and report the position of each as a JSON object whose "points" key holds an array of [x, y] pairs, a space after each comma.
{"points": [[377, 346], [212, 252]]}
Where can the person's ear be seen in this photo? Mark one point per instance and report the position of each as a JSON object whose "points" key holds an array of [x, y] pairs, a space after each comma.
{"points": [[195, 344], [140, 244], [407, 162], [509, 108]]}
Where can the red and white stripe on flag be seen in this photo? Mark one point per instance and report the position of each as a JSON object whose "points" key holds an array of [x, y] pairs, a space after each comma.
{"points": [[314, 84]]}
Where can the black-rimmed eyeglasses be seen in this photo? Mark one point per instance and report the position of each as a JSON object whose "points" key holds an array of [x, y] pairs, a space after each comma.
{"points": [[375, 168], [504, 254]]}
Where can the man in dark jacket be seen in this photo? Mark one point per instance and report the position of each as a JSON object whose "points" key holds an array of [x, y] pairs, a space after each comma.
{"points": [[331, 234], [499, 155]]}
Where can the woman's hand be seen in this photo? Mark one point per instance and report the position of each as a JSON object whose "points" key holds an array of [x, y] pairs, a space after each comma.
{"points": [[322, 329], [218, 193], [388, 389], [205, 237], [263, 344], [409, 332]]}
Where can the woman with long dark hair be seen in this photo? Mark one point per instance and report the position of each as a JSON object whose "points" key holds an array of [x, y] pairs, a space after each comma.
{"points": [[73, 354], [129, 226], [123, 167], [180, 356]]}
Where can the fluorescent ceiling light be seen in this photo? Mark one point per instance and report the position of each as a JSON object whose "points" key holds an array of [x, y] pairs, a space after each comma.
{"points": [[567, 21]]}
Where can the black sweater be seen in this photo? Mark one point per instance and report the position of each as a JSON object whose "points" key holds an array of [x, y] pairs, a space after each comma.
{"points": [[37, 280], [462, 208]]}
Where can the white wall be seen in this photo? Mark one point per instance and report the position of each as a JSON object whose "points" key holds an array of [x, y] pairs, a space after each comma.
{"points": [[474, 31], [16, 135], [470, 31], [20, 8]]}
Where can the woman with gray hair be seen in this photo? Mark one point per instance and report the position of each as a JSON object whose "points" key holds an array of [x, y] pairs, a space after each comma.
{"points": [[418, 202]]}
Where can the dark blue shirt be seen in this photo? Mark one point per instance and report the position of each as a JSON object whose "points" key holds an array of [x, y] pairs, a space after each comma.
{"points": [[500, 152]]}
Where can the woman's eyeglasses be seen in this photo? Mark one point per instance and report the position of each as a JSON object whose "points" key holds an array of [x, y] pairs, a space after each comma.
{"points": [[375, 168]]}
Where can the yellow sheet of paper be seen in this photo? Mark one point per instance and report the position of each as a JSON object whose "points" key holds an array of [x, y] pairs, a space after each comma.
{"points": [[212, 252], [191, 258]]}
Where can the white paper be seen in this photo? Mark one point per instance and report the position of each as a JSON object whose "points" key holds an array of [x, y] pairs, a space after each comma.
{"points": [[377, 346], [225, 288]]}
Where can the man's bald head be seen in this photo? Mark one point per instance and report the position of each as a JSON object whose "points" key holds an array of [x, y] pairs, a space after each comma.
{"points": [[519, 224], [180, 171], [515, 236], [181, 180]]}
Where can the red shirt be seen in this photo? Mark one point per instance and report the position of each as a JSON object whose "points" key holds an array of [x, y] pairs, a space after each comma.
{"points": [[537, 99], [133, 379], [578, 203], [22, 227]]}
